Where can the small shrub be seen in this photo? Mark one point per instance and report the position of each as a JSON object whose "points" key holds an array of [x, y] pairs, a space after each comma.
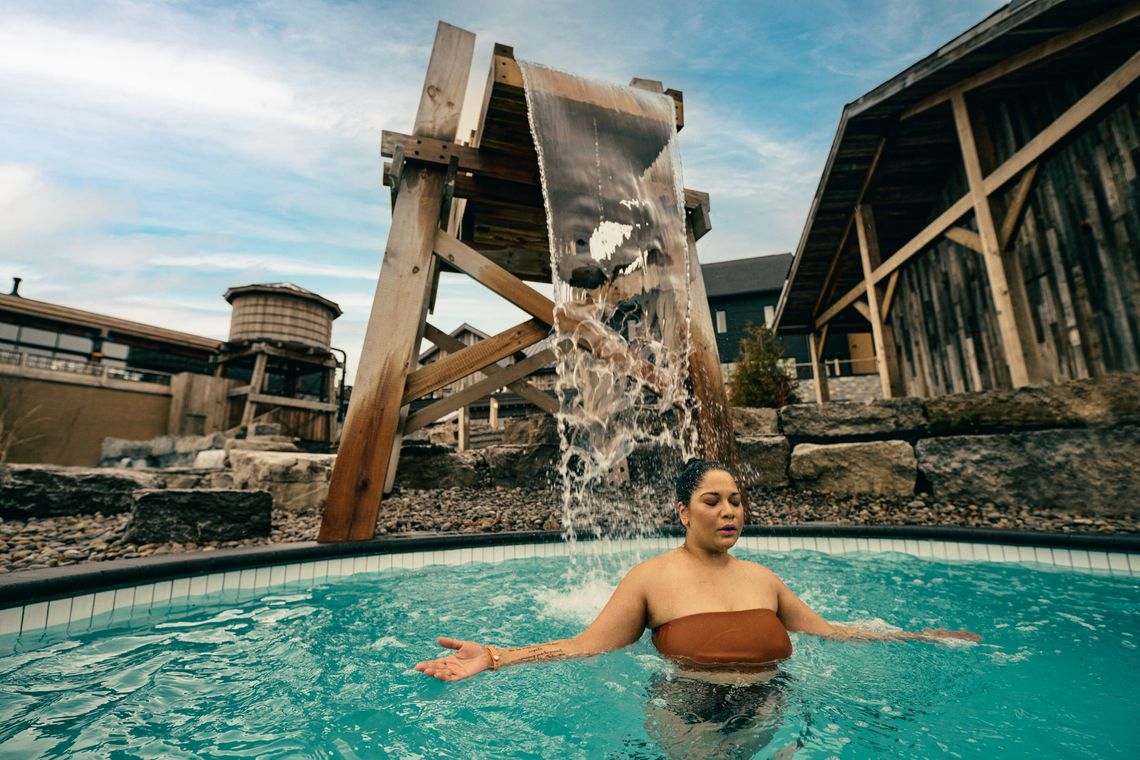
{"points": [[760, 379]]}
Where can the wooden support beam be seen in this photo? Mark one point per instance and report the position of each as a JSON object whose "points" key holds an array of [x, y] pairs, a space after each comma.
{"points": [[828, 288], [473, 358], [889, 296], [478, 390], [818, 371], [1039, 52], [369, 442], [488, 273], [967, 237], [463, 433], [1031, 152], [1017, 206], [255, 384], [293, 403], [848, 298], [863, 309], [521, 387], [995, 269], [714, 416], [889, 376]]}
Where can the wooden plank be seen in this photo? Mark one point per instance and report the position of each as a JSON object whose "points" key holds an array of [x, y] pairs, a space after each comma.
{"points": [[293, 403], [521, 387], [473, 358], [255, 385], [461, 398], [995, 269], [369, 441], [473, 160], [889, 296], [967, 237], [1039, 52], [494, 277], [464, 431], [507, 73], [1017, 206], [889, 378], [818, 371], [863, 309], [714, 416]]}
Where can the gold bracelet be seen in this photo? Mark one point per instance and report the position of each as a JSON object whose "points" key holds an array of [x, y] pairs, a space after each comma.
{"points": [[494, 656]]}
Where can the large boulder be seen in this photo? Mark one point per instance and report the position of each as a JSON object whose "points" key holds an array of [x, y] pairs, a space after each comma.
{"points": [[36, 490], [521, 466], [763, 461], [890, 418], [163, 451], [298, 481], [749, 421], [1091, 469], [879, 468], [1110, 400], [533, 430], [198, 516], [263, 443]]}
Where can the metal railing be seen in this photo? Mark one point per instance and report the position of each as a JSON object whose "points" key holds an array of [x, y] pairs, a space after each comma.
{"points": [[837, 368], [89, 369]]}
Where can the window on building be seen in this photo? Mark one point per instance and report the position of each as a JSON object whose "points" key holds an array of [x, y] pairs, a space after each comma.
{"points": [[74, 344], [37, 338], [769, 315], [721, 322]]}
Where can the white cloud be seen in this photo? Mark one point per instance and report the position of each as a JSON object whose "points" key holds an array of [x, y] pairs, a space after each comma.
{"points": [[215, 82], [33, 207], [267, 265]]}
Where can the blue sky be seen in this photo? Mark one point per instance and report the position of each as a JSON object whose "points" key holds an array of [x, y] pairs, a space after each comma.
{"points": [[153, 154]]}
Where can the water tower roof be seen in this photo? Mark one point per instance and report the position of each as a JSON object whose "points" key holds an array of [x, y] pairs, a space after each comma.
{"points": [[286, 288]]}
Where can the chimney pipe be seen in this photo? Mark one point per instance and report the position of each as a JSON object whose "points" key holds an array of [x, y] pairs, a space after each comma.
{"points": [[16, 286]]}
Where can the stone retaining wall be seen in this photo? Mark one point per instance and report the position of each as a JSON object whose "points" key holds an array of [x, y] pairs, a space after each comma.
{"points": [[1069, 447]]}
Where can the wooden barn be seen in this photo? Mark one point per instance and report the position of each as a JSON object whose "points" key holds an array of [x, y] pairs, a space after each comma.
{"points": [[981, 210]]}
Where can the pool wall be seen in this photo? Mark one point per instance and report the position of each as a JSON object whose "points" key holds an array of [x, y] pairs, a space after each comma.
{"points": [[81, 597]]}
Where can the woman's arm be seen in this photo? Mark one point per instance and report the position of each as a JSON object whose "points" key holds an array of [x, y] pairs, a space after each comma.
{"points": [[797, 616], [619, 624]]}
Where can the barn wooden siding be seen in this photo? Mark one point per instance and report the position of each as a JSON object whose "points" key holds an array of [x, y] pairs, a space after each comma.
{"points": [[1079, 253]]}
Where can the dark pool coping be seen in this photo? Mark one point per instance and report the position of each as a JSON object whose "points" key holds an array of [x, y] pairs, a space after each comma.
{"points": [[30, 586]]}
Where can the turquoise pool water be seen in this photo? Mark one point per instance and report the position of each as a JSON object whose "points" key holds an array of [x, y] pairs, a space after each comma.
{"points": [[326, 672]]}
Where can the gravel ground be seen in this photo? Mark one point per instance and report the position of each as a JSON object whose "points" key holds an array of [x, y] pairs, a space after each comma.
{"points": [[29, 544]]}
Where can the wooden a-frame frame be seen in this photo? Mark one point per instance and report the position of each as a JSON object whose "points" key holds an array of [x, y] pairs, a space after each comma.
{"points": [[994, 236], [428, 170]]}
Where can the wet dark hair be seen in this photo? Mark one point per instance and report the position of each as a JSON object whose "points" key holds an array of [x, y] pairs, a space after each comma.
{"points": [[690, 476]]}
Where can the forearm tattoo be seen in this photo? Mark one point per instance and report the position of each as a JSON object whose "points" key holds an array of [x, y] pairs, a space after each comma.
{"points": [[553, 650]]}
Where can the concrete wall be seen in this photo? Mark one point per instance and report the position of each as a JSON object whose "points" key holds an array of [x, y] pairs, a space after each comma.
{"points": [[66, 422]]}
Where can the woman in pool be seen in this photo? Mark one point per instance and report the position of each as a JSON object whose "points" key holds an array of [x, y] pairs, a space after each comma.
{"points": [[707, 609]]}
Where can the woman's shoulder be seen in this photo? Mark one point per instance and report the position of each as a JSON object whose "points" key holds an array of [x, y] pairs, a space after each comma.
{"points": [[654, 565], [754, 567]]}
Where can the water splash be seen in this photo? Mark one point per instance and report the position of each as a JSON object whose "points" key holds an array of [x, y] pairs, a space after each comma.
{"points": [[619, 255]]}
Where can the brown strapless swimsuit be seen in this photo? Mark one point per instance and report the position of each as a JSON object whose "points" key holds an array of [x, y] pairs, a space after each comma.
{"points": [[718, 638]]}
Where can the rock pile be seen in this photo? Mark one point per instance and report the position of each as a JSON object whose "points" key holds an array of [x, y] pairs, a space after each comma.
{"points": [[48, 542]]}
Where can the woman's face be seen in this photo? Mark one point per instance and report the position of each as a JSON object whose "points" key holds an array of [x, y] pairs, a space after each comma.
{"points": [[714, 515]]}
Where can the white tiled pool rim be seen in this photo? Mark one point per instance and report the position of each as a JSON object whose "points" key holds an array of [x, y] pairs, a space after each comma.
{"points": [[130, 602]]}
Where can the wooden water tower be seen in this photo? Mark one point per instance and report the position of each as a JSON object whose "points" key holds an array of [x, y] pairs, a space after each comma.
{"points": [[280, 345], [499, 238]]}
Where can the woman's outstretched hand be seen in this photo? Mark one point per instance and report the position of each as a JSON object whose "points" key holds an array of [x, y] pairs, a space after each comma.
{"points": [[942, 633], [468, 659]]}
